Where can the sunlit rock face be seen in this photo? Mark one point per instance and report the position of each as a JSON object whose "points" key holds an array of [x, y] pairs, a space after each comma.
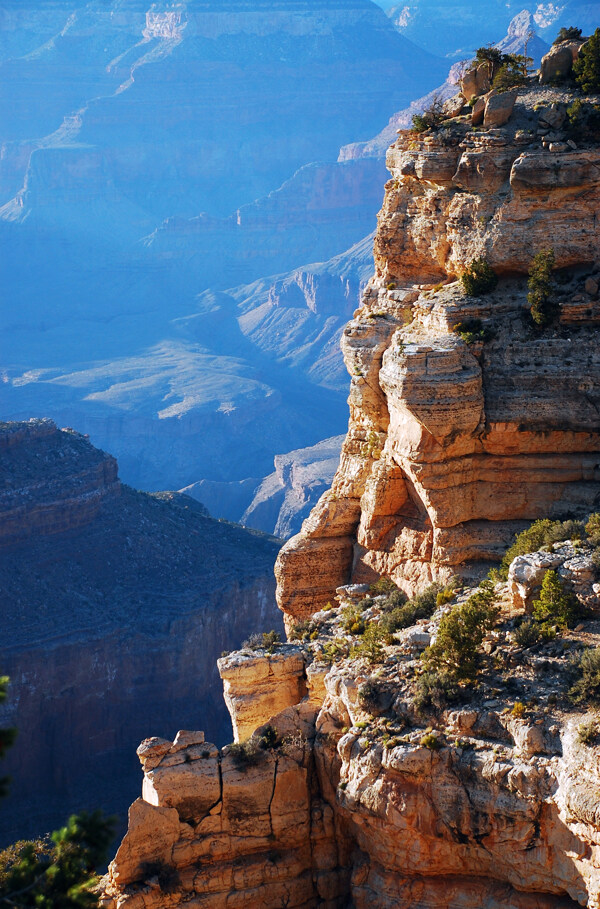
{"points": [[116, 605], [454, 444]]}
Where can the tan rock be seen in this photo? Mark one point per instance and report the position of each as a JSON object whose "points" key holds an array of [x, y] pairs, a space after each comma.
{"points": [[499, 108], [192, 786], [151, 835], [558, 62], [453, 106], [476, 81], [258, 686]]}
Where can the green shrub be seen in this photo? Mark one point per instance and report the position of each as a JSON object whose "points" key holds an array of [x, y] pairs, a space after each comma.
{"points": [[472, 330], [586, 68], [511, 74], [479, 278], [383, 585], [431, 741], [583, 120], [371, 645], [567, 34], [542, 305], [374, 696], [431, 117], [268, 641], [245, 754], [527, 634], [352, 620], [556, 607], [519, 709], [446, 595], [492, 56], [456, 649], [433, 691], [587, 732], [592, 527], [541, 533], [407, 613], [586, 689]]}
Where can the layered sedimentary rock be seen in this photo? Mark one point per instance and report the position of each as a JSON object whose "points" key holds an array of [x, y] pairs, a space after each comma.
{"points": [[115, 607], [51, 481], [348, 797], [453, 446]]}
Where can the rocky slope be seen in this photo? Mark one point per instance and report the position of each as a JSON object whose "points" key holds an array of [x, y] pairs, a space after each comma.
{"points": [[116, 605], [351, 794]]}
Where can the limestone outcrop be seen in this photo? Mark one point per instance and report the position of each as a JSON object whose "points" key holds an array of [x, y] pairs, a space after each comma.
{"points": [[359, 797], [453, 444]]}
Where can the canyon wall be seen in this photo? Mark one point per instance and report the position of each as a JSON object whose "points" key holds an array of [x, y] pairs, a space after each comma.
{"points": [[116, 605], [453, 446]]}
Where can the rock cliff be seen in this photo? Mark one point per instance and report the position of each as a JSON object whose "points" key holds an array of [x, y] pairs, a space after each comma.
{"points": [[453, 445], [115, 607], [440, 752]]}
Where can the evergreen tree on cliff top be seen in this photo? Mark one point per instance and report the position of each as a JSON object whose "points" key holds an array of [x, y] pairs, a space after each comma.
{"points": [[586, 68], [58, 871]]}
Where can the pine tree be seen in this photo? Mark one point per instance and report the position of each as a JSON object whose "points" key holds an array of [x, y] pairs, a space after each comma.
{"points": [[56, 872], [586, 68]]}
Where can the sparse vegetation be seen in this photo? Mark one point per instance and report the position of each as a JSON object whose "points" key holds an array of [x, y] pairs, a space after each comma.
{"points": [[370, 646], [373, 695], [567, 34], [587, 733], [430, 740], [586, 689], [540, 534], [399, 614], [586, 68], [456, 649], [519, 709], [471, 331], [431, 117], [542, 304], [583, 120], [250, 753], [353, 621], [267, 641], [479, 278], [433, 691]]}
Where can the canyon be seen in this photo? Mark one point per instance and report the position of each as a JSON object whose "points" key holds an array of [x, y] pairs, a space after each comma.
{"points": [[363, 772], [165, 152], [116, 605]]}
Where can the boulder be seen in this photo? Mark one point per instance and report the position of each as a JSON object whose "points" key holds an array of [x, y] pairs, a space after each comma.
{"points": [[453, 106], [476, 81], [526, 574], [558, 62], [553, 117], [499, 108]]}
